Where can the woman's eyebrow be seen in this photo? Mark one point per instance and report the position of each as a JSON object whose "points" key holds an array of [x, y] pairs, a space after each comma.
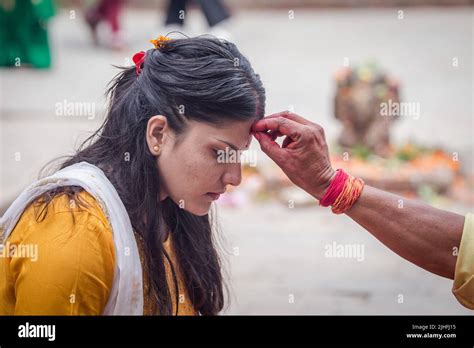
{"points": [[231, 145]]}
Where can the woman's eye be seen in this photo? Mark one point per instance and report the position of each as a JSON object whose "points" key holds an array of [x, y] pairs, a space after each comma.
{"points": [[218, 155]]}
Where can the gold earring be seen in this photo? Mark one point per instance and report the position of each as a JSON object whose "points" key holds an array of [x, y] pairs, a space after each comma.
{"points": [[156, 148]]}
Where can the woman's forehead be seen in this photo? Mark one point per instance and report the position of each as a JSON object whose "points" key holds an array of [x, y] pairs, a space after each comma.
{"points": [[236, 134]]}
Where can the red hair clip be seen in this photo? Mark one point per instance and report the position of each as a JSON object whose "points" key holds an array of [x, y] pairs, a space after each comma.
{"points": [[138, 59]]}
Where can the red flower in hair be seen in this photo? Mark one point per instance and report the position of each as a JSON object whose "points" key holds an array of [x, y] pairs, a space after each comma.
{"points": [[138, 59]]}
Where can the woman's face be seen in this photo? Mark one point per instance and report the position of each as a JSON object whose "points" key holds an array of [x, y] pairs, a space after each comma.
{"points": [[193, 168]]}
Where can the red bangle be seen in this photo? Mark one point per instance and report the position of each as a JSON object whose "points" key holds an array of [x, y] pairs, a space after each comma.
{"points": [[334, 189], [350, 194], [342, 193]]}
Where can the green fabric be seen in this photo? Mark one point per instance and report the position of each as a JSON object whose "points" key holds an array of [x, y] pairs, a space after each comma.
{"points": [[23, 32]]}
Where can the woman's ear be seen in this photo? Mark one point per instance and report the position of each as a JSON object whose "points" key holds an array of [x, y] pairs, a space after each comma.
{"points": [[156, 130]]}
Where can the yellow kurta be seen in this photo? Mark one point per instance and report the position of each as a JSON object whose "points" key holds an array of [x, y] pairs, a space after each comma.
{"points": [[70, 263], [463, 286]]}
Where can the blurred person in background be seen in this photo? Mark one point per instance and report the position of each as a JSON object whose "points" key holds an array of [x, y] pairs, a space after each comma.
{"points": [[216, 14], [109, 12], [24, 33]]}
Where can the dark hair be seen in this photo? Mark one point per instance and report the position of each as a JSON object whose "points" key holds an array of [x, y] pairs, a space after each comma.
{"points": [[203, 79]]}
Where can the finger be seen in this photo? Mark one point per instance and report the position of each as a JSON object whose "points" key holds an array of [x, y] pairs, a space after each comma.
{"points": [[274, 134], [281, 124], [291, 116], [269, 147], [286, 142]]}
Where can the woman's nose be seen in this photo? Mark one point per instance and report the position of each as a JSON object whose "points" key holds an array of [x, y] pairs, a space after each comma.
{"points": [[233, 176]]}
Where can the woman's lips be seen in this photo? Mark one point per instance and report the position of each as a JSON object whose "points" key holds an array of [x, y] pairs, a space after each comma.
{"points": [[213, 195]]}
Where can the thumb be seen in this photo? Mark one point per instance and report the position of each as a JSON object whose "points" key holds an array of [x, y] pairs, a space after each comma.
{"points": [[270, 147]]}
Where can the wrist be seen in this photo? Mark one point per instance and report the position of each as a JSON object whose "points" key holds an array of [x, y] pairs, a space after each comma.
{"points": [[324, 182], [342, 192]]}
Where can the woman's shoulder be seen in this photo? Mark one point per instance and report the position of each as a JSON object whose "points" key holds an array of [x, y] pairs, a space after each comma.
{"points": [[64, 221], [83, 206], [74, 254]]}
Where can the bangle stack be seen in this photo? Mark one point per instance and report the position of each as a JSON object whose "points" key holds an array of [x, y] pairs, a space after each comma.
{"points": [[342, 193]]}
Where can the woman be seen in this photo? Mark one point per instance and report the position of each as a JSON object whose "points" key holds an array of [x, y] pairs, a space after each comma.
{"points": [[155, 155]]}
